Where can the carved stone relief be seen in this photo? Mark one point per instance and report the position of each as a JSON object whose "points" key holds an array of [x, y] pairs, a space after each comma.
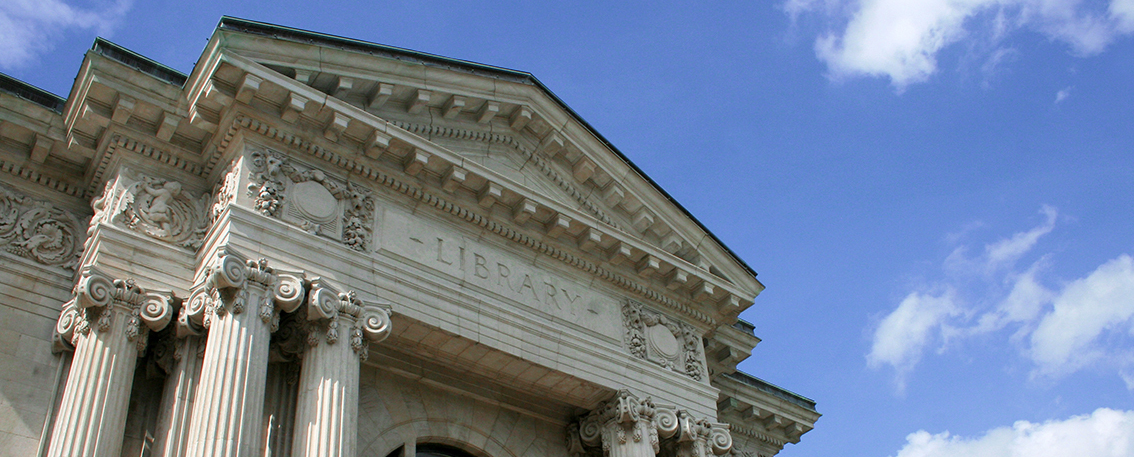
{"points": [[653, 336], [224, 193], [39, 231], [307, 197], [155, 207]]}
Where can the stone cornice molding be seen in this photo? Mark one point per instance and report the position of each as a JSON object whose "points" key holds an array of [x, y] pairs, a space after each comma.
{"points": [[540, 160], [385, 133]]}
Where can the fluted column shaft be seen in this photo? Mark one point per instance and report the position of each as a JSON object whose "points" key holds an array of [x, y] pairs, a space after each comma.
{"points": [[177, 398], [239, 303], [326, 421], [108, 324], [227, 411], [93, 411]]}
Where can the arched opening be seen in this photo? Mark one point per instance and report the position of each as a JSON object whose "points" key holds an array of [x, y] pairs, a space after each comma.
{"points": [[440, 450]]}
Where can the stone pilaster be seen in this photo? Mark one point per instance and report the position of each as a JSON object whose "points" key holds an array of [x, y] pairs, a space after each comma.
{"points": [[326, 422], [626, 426], [228, 410], [179, 392], [107, 324]]}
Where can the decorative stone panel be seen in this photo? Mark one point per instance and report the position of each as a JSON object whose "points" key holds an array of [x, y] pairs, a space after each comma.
{"points": [[309, 198], [39, 231], [670, 343], [156, 207]]}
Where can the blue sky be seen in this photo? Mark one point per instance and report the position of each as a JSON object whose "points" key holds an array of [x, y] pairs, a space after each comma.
{"points": [[937, 193]]}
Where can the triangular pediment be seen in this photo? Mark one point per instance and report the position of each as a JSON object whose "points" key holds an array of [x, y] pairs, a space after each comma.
{"points": [[491, 135]]}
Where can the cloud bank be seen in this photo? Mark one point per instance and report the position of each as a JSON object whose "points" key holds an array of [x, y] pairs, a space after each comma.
{"points": [[29, 28], [1059, 328], [901, 39], [1104, 433]]}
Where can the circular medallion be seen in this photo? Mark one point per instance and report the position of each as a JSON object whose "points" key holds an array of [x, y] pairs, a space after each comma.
{"points": [[314, 201], [662, 341]]}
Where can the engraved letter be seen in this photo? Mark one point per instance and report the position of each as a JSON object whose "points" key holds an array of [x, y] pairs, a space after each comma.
{"points": [[504, 273], [440, 247], [479, 268], [527, 282]]}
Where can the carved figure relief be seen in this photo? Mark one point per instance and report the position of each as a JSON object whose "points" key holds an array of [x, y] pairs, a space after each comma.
{"points": [[39, 231], [672, 344], [318, 203], [224, 192], [156, 207]]}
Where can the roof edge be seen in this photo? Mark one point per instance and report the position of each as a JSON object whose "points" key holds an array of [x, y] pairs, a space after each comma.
{"points": [[31, 93], [118, 53], [777, 391]]}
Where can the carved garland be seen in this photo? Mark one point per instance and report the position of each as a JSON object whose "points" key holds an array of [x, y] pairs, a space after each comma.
{"points": [[669, 343], [319, 204], [39, 231]]}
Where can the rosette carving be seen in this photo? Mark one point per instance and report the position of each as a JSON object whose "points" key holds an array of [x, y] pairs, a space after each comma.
{"points": [[39, 231]]}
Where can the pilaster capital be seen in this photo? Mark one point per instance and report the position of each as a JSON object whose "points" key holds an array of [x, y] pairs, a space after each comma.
{"points": [[626, 420]]}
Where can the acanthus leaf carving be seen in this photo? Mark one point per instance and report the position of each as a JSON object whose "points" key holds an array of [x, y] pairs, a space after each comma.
{"points": [[626, 422], [39, 231]]}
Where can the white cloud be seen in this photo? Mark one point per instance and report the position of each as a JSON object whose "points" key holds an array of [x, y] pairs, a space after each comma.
{"points": [[31, 27], [1062, 94], [1068, 338], [901, 39], [1123, 13], [1006, 252], [902, 336], [1104, 433], [1060, 329]]}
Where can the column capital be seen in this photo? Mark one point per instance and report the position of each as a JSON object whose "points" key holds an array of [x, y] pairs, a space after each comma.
{"points": [[624, 425], [326, 307], [97, 297]]}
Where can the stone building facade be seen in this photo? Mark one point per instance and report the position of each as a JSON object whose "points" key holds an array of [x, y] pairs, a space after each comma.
{"points": [[315, 246]]}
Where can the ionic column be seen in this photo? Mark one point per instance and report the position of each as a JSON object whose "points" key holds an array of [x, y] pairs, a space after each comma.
{"points": [[227, 411], [108, 324], [326, 421]]}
